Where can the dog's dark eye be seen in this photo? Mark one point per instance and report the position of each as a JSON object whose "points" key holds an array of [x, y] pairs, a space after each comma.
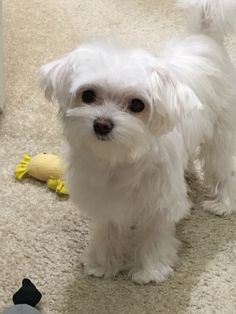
{"points": [[136, 105], [88, 96]]}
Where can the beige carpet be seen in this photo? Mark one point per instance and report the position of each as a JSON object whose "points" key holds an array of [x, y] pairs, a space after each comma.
{"points": [[42, 236]]}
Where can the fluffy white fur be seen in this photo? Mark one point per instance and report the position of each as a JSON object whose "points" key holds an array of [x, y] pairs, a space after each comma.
{"points": [[132, 182]]}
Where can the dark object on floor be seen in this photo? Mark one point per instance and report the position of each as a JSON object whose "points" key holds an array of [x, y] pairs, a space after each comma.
{"points": [[27, 294], [25, 299]]}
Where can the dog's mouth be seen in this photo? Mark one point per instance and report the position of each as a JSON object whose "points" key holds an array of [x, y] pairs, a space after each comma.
{"points": [[104, 138]]}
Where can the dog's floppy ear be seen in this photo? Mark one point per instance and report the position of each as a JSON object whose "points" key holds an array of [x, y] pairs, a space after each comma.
{"points": [[59, 79], [173, 99], [55, 78]]}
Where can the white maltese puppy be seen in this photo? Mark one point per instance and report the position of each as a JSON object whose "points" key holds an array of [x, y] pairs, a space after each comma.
{"points": [[133, 122]]}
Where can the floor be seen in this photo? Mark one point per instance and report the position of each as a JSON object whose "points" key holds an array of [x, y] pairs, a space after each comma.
{"points": [[42, 235]]}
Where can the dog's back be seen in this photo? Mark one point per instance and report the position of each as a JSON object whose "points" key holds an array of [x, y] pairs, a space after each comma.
{"points": [[214, 18]]}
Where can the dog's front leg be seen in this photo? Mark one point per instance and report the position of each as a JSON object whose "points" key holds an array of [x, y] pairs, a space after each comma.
{"points": [[155, 251], [104, 255]]}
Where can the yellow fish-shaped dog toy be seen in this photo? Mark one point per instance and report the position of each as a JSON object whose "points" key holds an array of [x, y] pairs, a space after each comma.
{"points": [[44, 167]]}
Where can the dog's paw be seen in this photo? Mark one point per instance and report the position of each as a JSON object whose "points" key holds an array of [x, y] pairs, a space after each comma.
{"points": [[219, 208], [100, 271], [95, 270], [92, 267], [157, 275]]}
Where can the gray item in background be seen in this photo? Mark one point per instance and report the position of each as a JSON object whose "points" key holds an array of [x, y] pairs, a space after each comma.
{"points": [[21, 309]]}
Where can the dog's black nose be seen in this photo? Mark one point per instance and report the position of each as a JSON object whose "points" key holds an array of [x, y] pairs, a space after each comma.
{"points": [[103, 126]]}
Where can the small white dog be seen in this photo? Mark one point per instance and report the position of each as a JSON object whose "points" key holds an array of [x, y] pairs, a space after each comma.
{"points": [[133, 122]]}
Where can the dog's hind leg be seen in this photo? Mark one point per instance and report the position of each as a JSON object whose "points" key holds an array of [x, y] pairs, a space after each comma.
{"points": [[218, 165]]}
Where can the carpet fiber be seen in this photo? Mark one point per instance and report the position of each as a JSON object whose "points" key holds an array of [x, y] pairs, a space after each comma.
{"points": [[41, 235]]}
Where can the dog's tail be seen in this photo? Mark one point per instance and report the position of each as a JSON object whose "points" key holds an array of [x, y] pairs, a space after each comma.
{"points": [[214, 18]]}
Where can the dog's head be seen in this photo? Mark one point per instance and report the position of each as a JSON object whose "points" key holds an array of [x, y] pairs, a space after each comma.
{"points": [[115, 102]]}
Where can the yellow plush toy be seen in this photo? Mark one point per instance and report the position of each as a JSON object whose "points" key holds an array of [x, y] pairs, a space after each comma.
{"points": [[44, 167]]}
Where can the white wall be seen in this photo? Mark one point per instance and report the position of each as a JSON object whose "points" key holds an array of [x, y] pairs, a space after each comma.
{"points": [[1, 62]]}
